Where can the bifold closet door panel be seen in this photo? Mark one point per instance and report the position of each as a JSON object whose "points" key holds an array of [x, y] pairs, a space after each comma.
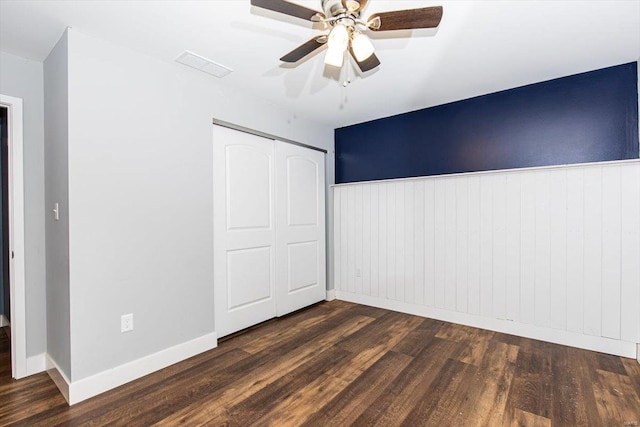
{"points": [[244, 229], [300, 236]]}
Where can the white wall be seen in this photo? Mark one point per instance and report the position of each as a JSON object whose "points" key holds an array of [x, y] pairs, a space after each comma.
{"points": [[22, 78], [140, 198], [57, 186], [549, 253]]}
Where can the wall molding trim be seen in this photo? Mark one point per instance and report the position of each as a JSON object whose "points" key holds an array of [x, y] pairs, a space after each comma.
{"points": [[36, 364], [493, 172], [556, 336], [17, 266], [77, 391], [58, 376], [331, 295]]}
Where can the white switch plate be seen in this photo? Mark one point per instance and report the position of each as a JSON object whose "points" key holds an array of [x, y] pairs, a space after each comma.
{"points": [[126, 322]]}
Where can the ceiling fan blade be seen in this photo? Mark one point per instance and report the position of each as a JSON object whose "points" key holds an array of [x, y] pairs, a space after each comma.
{"points": [[288, 8], [368, 64], [304, 49], [426, 17], [363, 4]]}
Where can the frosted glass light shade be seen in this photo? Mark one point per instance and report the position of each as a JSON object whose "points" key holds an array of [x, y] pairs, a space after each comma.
{"points": [[362, 47], [334, 56], [339, 37]]}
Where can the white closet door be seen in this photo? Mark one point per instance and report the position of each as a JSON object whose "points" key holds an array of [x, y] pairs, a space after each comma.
{"points": [[300, 256], [244, 229]]}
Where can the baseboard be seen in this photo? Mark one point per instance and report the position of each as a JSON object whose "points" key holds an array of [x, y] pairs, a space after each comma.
{"points": [[59, 378], [77, 391], [331, 295], [36, 364], [4, 321], [638, 353], [557, 336]]}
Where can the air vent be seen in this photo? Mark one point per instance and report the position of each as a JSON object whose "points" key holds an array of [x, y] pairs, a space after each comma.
{"points": [[203, 64]]}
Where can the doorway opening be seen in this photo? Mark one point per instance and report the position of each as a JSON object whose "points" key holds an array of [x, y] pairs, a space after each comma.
{"points": [[12, 262], [5, 288]]}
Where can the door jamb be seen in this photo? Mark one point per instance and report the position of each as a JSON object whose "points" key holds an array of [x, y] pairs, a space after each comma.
{"points": [[16, 236]]}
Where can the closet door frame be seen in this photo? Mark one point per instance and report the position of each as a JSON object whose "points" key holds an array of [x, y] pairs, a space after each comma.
{"points": [[222, 235]]}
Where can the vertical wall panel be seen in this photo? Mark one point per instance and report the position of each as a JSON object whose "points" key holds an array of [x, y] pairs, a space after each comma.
{"points": [[409, 242], [366, 239], [351, 238], [593, 251], [383, 275], [499, 245], [429, 243], [357, 271], [450, 244], [439, 241], [611, 216], [513, 248], [462, 243], [391, 239], [553, 248], [419, 217], [486, 245], [558, 266], [375, 242], [337, 249], [527, 247], [474, 248], [401, 249], [575, 250], [543, 250], [630, 262]]}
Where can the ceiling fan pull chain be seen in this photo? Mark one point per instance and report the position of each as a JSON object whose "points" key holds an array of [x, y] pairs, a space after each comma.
{"points": [[347, 81]]}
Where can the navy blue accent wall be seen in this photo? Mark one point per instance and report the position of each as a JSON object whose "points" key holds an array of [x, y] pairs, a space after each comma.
{"points": [[587, 117]]}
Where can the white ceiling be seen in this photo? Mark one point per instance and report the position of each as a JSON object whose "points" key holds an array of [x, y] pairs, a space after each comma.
{"points": [[480, 47]]}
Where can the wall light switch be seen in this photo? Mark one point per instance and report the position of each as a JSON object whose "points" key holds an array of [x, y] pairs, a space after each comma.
{"points": [[56, 212]]}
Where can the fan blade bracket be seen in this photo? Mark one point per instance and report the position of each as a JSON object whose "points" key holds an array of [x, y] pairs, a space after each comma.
{"points": [[374, 23], [409, 19]]}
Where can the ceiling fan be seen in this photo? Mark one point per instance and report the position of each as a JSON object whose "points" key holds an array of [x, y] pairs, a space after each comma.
{"points": [[348, 29]]}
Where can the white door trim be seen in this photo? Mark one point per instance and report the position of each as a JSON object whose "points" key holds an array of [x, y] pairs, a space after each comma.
{"points": [[16, 237]]}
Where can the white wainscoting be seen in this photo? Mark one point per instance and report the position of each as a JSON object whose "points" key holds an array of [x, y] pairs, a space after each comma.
{"points": [[550, 253]]}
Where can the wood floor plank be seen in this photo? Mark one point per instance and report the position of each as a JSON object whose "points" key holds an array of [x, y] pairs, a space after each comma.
{"points": [[489, 391], [341, 364], [399, 398], [435, 407], [263, 376], [523, 418], [417, 339], [616, 398], [349, 404]]}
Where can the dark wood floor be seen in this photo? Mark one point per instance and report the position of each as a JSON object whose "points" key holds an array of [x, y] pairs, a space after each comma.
{"points": [[339, 364]]}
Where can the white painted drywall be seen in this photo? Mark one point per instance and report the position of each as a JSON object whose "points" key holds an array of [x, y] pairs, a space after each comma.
{"points": [[23, 78], [140, 197], [56, 191]]}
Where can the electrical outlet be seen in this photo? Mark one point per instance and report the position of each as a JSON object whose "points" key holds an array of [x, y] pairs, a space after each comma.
{"points": [[126, 322], [358, 272]]}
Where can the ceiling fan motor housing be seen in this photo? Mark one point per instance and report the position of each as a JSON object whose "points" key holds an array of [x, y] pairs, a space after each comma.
{"points": [[334, 8]]}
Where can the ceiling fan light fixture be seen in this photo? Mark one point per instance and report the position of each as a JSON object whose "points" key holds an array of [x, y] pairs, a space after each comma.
{"points": [[334, 57], [362, 47], [339, 37]]}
